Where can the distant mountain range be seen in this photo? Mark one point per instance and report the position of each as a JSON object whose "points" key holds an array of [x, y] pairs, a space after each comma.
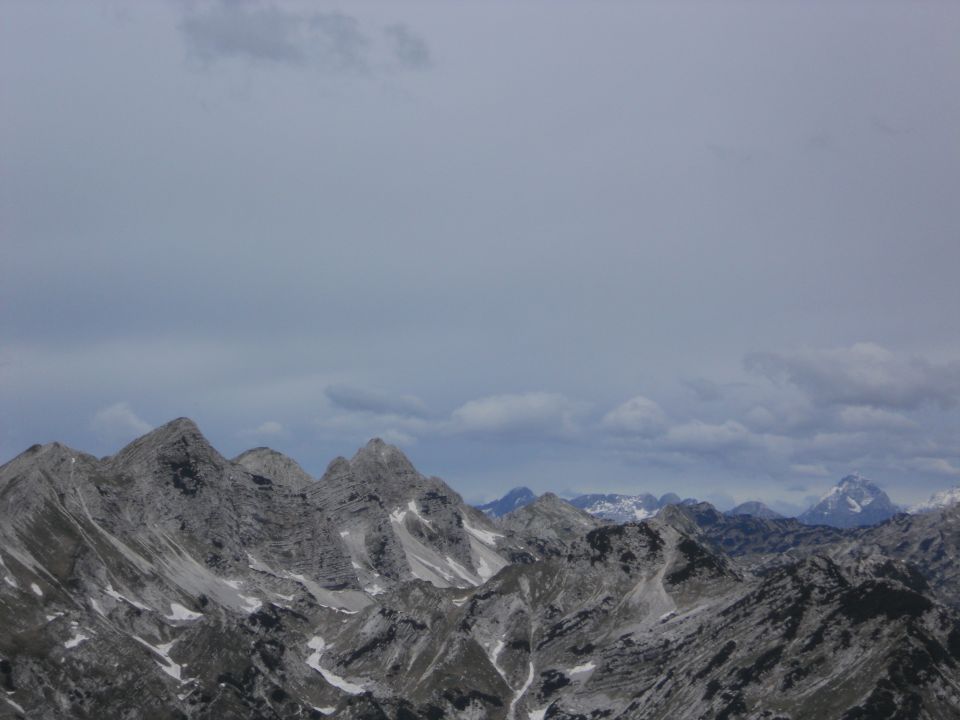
{"points": [[626, 508], [853, 502]]}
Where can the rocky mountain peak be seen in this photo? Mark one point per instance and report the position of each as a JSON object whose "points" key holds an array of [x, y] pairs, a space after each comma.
{"points": [[181, 438], [669, 499], [754, 508], [516, 498], [853, 502], [383, 458], [265, 462]]}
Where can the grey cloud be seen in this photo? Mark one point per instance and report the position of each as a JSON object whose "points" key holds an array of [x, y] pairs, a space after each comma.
{"points": [[332, 41], [337, 41], [228, 30], [705, 390], [408, 48], [375, 401], [863, 374]]}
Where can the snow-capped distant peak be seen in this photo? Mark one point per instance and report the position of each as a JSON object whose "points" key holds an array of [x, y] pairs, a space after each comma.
{"points": [[940, 499], [852, 502]]}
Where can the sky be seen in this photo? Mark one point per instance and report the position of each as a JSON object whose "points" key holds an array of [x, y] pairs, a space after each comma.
{"points": [[704, 248]]}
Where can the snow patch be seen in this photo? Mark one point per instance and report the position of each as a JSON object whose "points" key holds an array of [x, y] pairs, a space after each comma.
{"points": [[374, 589], [36, 589], [75, 640], [487, 562], [521, 692], [485, 536], [15, 706], [412, 505], [251, 604], [495, 654], [257, 565], [117, 596], [179, 612], [318, 646], [168, 666], [462, 571], [585, 668]]}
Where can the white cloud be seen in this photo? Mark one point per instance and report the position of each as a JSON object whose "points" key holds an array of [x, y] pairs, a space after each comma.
{"points": [[118, 423], [637, 416], [534, 413]]}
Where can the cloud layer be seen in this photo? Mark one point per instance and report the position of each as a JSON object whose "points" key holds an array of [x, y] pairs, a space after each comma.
{"points": [[532, 244]]}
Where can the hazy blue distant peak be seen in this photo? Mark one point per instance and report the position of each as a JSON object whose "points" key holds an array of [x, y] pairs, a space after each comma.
{"points": [[852, 502], [516, 498], [754, 508]]}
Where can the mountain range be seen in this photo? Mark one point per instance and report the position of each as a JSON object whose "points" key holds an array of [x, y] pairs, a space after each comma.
{"points": [[853, 502], [168, 581]]}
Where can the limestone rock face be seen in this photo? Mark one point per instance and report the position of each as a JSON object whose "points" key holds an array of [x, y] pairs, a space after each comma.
{"points": [[550, 524], [169, 582]]}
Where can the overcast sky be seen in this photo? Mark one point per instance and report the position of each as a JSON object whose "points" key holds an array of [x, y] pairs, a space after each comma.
{"points": [[704, 248]]}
